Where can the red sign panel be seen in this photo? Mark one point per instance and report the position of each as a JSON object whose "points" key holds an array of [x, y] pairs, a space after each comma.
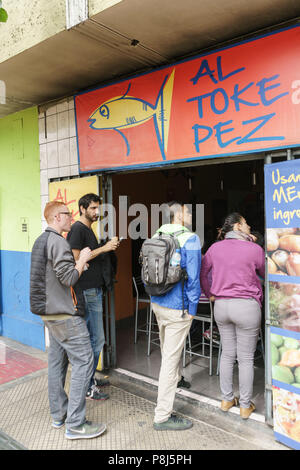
{"points": [[241, 99]]}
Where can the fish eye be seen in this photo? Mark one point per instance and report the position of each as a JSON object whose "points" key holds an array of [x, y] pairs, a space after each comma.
{"points": [[104, 111]]}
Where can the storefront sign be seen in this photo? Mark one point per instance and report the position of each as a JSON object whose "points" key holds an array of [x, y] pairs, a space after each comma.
{"points": [[282, 186], [236, 100]]}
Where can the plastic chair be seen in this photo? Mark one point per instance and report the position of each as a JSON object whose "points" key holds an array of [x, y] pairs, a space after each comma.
{"points": [[204, 317], [141, 297], [260, 338]]}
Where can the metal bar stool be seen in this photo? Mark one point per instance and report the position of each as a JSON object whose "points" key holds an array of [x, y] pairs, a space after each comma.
{"points": [[204, 317], [155, 341], [141, 297]]}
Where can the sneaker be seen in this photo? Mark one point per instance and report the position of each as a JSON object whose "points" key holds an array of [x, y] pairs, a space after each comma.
{"points": [[87, 430], [101, 382], [174, 423], [95, 393], [183, 383], [58, 424]]}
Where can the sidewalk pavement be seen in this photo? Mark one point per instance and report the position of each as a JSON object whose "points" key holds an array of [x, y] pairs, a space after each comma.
{"points": [[25, 421]]}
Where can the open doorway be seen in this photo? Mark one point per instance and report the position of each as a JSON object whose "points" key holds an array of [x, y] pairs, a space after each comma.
{"points": [[222, 188]]}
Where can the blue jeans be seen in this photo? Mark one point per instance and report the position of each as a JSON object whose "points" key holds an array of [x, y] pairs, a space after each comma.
{"points": [[69, 342], [94, 321]]}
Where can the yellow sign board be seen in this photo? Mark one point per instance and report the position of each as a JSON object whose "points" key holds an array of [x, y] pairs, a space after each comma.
{"points": [[70, 191]]}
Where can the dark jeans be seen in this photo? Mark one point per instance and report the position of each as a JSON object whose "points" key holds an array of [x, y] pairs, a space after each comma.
{"points": [[94, 321]]}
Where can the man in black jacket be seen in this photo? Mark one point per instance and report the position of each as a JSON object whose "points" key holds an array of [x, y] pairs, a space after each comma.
{"points": [[53, 277], [99, 275]]}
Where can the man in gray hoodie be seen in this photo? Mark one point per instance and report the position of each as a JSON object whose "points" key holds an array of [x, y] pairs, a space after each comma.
{"points": [[54, 296]]}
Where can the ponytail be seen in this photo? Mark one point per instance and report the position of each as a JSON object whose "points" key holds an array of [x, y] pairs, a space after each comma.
{"points": [[228, 224]]}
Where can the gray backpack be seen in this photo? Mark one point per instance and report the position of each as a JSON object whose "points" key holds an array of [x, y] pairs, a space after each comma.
{"points": [[155, 257]]}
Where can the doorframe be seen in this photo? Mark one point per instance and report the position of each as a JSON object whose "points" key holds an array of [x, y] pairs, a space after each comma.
{"points": [[109, 297], [290, 154]]}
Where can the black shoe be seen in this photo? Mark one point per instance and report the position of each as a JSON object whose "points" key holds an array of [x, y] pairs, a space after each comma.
{"points": [[101, 382], [95, 393], [183, 383]]}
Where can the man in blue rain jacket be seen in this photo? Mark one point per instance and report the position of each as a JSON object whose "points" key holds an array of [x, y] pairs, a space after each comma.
{"points": [[173, 320]]}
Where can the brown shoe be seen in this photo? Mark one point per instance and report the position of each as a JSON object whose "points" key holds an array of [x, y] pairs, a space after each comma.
{"points": [[226, 405], [246, 412]]}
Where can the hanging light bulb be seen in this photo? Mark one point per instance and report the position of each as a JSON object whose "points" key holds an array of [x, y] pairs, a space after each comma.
{"points": [[221, 178], [254, 174]]}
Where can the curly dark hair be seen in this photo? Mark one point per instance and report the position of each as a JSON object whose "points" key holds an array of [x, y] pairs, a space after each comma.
{"points": [[86, 200]]}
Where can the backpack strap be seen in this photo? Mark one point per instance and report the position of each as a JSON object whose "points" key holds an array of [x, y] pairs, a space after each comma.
{"points": [[183, 279], [174, 235], [179, 232], [184, 273]]}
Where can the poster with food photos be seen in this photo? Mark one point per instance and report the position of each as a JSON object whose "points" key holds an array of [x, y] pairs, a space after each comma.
{"points": [[282, 193]]}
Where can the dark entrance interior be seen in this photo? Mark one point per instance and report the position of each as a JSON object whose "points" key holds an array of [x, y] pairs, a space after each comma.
{"points": [[222, 188]]}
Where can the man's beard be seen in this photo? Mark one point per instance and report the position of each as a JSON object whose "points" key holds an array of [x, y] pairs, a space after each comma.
{"points": [[92, 218]]}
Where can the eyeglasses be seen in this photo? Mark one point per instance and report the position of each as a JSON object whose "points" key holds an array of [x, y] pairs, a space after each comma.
{"points": [[67, 213]]}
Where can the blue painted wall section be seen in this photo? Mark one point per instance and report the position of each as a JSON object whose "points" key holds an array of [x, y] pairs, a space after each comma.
{"points": [[16, 320]]}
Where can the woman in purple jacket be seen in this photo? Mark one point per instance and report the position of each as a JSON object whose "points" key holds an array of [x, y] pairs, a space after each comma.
{"points": [[229, 275]]}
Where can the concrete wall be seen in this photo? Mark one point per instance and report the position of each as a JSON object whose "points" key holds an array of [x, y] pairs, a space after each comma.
{"points": [[19, 224], [29, 23], [33, 21]]}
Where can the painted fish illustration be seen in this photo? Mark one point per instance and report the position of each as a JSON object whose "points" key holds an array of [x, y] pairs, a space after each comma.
{"points": [[123, 112]]}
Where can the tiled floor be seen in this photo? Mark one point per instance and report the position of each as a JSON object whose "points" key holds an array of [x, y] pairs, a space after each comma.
{"points": [[134, 358], [15, 364], [25, 418]]}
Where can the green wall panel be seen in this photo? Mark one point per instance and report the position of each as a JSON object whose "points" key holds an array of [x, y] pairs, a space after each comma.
{"points": [[19, 181]]}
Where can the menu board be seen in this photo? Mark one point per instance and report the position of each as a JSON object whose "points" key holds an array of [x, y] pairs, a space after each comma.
{"points": [[282, 187]]}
